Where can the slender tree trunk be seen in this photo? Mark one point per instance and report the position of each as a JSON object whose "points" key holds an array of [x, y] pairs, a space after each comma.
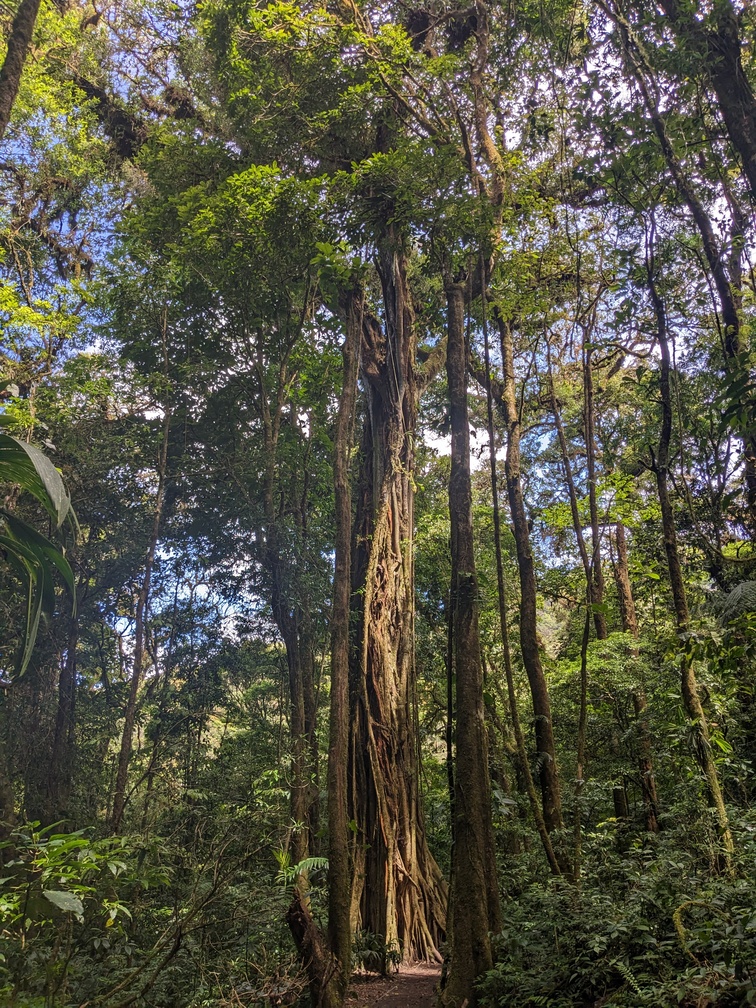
{"points": [[630, 625], [596, 575], [309, 676], [473, 895], [127, 736], [545, 748], [60, 772], [311, 736], [580, 748], [449, 729], [339, 872], [522, 752], [399, 892], [289, 608], [599, 619], [15, 57], [8, 818], [690, 694], [502, 749], [328, 960], [300, 790], [594, 580]]}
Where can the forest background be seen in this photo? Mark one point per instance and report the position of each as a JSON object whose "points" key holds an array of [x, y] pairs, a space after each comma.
{"points": [[398, 364]]}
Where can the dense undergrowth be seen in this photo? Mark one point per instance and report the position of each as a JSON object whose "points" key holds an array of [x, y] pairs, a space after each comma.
{"points": [[122, 921], [654, 924]]}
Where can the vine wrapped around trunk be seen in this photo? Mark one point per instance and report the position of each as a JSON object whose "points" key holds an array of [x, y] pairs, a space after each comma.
{"points": [[398, 892]]}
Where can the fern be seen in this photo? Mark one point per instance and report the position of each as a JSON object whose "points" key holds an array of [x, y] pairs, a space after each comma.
{"points": [[288, 873], [629, 977]]}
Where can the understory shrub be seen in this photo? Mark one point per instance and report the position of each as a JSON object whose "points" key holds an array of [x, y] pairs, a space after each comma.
{"points": [[652, 926]]}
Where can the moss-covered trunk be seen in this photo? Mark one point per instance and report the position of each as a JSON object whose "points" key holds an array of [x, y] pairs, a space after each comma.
{"points": [[473, 896]]}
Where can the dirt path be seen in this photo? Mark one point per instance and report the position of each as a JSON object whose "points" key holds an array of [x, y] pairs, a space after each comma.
{"points": [[412, 987]]}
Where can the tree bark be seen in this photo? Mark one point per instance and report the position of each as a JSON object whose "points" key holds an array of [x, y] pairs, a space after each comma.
{"points": [[522, 752], [328, 962], [297, 661], [630, 625], [339, 871], [60, 773], [288, 601], [15, 57], [326, 978], [127, 736], [718, 40], [545, 748], [595, 576], [399, 892], [690, 694], [473, 895]]}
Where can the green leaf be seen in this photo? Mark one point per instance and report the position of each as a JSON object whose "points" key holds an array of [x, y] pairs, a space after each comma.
{"points": [[66, 901], [27, 466], [44, 551], [33, 558]]}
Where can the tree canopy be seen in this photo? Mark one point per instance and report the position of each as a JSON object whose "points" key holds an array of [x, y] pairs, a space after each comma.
{"points": [[378, 460]]}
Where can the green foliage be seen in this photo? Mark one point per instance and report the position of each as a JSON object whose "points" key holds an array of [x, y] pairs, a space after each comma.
{"points": [[371, 953], [289, 873], [276, 147], [650, 927], [33, 559], [60, 899]]}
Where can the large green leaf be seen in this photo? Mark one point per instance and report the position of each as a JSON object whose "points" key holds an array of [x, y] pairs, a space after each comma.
{"points": [[26, 466], [34, 574], [66, 901], [45, 552], [31, 556]]}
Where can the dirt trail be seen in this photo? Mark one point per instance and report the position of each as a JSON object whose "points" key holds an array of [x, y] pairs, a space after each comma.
{"points": [[412, 987]]}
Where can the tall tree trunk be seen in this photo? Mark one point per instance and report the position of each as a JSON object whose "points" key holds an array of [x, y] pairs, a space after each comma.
{"points": [[473, 895], [594, 580], [328, 962], [8, 817], [339, 872], [127, 736], [599, 619], [718, 37], [288, 606], [399, 892], [690, 694], [580, 749], [297, 661], [596, 575], [544, 733], [514, 712], [311, 734], [60, 771], [15, 57], [630, 625]]}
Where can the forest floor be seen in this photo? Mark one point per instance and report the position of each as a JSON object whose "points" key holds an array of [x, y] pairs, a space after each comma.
{"points": [[412, 987]]}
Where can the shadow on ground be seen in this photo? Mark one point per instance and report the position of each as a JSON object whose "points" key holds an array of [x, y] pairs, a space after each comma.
{"points": [[412, 987]]}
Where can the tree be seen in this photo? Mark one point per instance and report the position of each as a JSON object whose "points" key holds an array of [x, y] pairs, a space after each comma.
{"points": [[473, 897], [16, 52]]}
